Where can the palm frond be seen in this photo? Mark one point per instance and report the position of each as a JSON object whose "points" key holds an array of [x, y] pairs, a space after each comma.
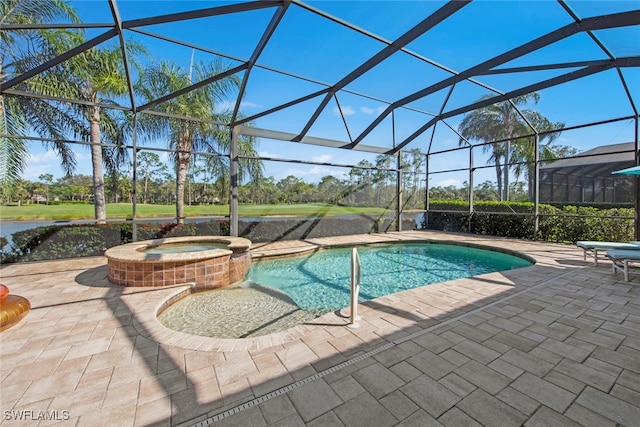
{"points": [[31, 11]]}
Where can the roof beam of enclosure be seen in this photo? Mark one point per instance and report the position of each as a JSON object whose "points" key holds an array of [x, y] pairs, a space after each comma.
{"points": [[545, 67], [237, 59], [181, 117], [275, 70], [67, 100], [574, 75], [327, 86], [193, 87], [595, 23], [385, 41], [541, 133], [607, 52], [286, 136], [434, 19], [268, 32], [62, 26], [282, 107], [444, 105], [589, 32], [264, 67], [627, 92], [202, 13], [123, 48], [59, 59]]}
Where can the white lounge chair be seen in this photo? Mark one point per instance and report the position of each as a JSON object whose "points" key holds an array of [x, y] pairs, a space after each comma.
{"points": [[621, 259], [594, 248]]}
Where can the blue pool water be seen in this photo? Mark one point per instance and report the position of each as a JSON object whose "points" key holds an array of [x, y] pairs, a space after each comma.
{"points": [[321, 282]]}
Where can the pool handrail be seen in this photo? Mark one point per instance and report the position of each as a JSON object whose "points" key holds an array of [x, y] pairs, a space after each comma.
{"points": [[356, 275]]}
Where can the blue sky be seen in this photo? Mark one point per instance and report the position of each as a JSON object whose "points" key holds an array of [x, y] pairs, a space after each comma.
{"points": [[324, 51]]}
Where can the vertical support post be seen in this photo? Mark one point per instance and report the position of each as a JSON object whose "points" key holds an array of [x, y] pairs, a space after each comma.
{"points": [[471, 170], [233, 183], [399, 192], [427, 201], [536, 188], [636, 215], [134, 179]]}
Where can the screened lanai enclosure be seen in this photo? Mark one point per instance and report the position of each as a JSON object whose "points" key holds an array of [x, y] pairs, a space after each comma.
{"points": [[460, 115]]}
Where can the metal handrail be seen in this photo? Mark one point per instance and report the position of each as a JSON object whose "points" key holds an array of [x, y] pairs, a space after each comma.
{"points": [[356, 276]]}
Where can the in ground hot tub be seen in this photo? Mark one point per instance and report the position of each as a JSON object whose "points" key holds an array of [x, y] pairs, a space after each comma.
{"points": [[206, 261]]}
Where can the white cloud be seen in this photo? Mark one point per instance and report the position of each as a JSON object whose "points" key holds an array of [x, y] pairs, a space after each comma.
{"points": [[228, 105], [323, 158], [368, 111], [41, 163], [450, 142], [347, 110], [371, 111], [312, 174], [40, 158], [268, 154], [249, 104], [322, 171]]}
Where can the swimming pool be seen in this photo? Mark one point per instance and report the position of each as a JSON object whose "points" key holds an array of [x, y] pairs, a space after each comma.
{"points": [[320, 282], [280, 293]]}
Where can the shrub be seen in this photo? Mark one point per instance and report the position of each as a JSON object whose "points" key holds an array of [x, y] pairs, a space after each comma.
{"points": [[71, 241], [556, 224], [62, 241], [572, 223]]}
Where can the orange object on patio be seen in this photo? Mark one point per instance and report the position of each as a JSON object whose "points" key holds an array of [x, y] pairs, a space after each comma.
{"points": [[4, 291], [12, 308]]}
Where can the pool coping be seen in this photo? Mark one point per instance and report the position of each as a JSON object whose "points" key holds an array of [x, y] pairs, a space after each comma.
{"points": [[133, 252]]}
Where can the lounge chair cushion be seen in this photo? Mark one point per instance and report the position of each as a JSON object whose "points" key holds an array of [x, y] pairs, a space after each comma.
{"points": [[592, 248], [621, 259], [619, 254], [586, 244]]}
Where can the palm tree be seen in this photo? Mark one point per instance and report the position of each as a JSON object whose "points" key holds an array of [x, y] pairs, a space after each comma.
{"points": [[188, 136], [98, 77], [497, 122], [524, 148], [21, 51]]}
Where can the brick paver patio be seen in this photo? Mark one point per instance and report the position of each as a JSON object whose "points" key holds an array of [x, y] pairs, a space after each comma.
{"points": [[554, 344]]}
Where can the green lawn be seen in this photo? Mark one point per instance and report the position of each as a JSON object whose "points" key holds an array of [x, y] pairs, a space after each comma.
{"points": [[124, 210]]}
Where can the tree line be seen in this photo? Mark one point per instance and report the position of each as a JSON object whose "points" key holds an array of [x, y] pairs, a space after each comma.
{"points": [[157, 186]]}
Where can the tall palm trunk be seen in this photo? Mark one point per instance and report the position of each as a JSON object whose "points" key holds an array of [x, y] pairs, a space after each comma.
{"points": [[509, 129], [182, 164], [96, 160], [531, 184], [499, 171], [505, 176]]}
